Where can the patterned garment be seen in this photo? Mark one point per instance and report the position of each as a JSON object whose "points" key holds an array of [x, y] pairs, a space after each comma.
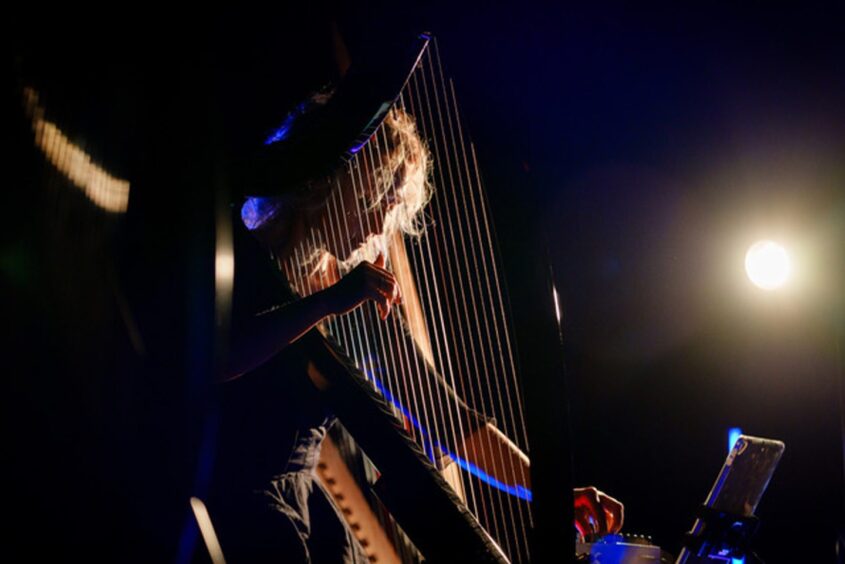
{"points": [[291, 520]]}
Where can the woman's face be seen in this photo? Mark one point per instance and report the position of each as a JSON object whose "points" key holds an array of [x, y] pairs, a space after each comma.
{"points": [[353, 217], [345, 221]]}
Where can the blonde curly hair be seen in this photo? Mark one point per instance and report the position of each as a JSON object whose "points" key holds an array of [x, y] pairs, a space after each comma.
{"points": [[399, 183]]}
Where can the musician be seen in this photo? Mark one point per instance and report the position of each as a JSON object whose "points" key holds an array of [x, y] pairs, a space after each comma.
{"points": [[267, 391]]}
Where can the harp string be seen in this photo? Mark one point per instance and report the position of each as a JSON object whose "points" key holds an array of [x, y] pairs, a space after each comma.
{"points": [[459, 315], [496, 304], [344, 330], [366, 363], [488, 515], [397, 388], [447, 366], [415, 377], [466, 244], [359, 315], [496, 351], [411, 394], [341, 329], [470, 241], [357, 342], [342, 242], [470, 270], [470, 274], [467, 233], [423, 278], [429, 287], [339, 326], [478, 326], [412, 374], [358, 318], [448, 403]]}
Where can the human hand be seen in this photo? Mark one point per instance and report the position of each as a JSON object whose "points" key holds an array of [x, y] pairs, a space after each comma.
{"points": [[596, 513], [367, 281], [325, 274]]}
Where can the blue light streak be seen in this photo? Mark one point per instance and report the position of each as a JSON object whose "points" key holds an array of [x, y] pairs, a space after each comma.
{"points": [[280, 134], [283, 131], [518, 491], [358, 147], [733, 437]]}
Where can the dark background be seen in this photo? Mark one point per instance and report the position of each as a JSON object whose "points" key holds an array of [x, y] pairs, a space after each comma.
{"points": [[662, 142]]}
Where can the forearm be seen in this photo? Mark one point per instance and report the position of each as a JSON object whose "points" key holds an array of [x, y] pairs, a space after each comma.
{"points": [[257, 339], [493, 453], [489, 450]]}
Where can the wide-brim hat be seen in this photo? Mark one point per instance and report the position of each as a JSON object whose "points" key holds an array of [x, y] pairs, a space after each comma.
{"points": [[329, 129]]}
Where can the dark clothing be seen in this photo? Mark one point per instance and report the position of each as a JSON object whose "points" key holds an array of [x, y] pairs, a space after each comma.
{"points": [[289, 519], [267, 503]]}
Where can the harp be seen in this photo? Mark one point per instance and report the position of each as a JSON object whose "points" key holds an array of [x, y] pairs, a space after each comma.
{"points": [[440, 378]]}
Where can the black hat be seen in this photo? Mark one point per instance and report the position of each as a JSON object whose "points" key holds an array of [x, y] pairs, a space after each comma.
{"points": [[332, 125]]}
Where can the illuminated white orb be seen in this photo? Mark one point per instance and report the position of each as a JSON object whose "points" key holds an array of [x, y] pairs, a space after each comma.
{"points": [[767, 265]]}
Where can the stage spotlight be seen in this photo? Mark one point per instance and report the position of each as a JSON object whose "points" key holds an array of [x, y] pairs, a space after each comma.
{"points": [[767, 265]]}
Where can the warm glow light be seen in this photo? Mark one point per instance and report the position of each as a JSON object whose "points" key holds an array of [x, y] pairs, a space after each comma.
{"points": [[557, 304], [224, 269], [107, 191], [207, 531], [767, 265]]}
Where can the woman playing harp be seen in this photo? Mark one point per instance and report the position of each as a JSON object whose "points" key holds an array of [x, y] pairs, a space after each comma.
{"points": [[337, 271]]}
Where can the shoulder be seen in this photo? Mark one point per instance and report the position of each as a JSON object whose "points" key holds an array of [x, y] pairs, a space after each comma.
{"points": [[259, 284]]}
